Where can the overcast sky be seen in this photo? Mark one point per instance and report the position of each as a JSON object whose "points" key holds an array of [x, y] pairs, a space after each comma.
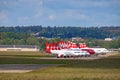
{"points": [[60, 12]]}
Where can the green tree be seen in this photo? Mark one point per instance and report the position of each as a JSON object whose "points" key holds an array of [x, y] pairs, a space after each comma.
{"points": [[32, 41]]}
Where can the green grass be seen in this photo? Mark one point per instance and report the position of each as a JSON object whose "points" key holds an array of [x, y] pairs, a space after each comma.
{"points": [[100, 69], [25, 54]]}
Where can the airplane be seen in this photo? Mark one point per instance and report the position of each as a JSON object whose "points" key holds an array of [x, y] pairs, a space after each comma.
{"points": [[67, 49], [101, 50], [72, 52], [83, 46], [64, 49]]}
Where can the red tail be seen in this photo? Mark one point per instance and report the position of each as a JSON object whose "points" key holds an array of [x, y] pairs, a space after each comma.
{"points": [[74, 45], [83, 45], [47, 47]]}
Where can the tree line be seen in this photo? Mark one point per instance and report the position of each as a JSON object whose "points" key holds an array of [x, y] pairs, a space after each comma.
{"points": [[27, 35], [66, 31]]}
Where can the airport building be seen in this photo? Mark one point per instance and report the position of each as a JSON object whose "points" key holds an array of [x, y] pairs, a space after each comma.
{"points": [[19, 48], [108, 39]]}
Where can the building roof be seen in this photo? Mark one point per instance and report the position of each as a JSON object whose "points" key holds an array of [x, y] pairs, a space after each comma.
{"points": [[19, 46]]}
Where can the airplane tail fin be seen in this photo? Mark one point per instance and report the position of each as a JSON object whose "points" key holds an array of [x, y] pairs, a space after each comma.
{"points": [[47, 47], [82, 45]]}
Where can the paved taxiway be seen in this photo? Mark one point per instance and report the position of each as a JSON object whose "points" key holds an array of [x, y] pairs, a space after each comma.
{"points": [[21, 68]]}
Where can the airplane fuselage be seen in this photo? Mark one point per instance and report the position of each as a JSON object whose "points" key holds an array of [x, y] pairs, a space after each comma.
{"points": [[70, 52]]}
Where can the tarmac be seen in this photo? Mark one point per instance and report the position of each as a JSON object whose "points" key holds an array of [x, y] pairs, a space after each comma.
{"points": [[22, 68], [73, 58]]}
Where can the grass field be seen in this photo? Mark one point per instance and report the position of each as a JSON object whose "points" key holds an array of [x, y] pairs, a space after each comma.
{"points": [[101, 69]]}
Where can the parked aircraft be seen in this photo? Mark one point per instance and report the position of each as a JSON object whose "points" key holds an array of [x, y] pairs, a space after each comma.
{"points": [[83, 46], [66, 49], [71, 52]]}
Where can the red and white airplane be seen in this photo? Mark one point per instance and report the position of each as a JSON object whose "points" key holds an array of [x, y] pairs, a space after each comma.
{"points": [[65, 49], [83, 46], [72, 52]]}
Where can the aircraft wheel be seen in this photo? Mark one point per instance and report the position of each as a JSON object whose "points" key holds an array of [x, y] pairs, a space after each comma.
{"points": [[57, 56], [65, 56]]}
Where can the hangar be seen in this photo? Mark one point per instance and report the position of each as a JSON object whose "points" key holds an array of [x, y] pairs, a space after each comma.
{"points": [[19, 48]]}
